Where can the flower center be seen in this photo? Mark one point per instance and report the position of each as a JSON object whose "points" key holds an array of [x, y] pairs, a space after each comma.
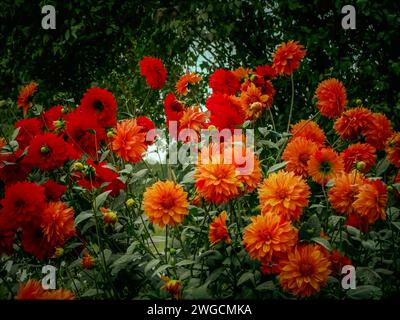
{"points": [[44, 149], [303, 158], [19, 204], [325, 167], [167, 203], [281, 194], [306, 269], [98, 105]]}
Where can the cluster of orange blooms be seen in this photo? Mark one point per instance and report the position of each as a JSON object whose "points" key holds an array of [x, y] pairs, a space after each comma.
{"points": [[271, 237]]}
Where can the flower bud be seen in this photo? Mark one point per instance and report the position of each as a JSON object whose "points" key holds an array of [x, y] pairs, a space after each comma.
{"points": [[110, 217], [110, 133], [78, 166], [360, 165], [130, 203], [59, 252], [44, 149], [88, 261]]}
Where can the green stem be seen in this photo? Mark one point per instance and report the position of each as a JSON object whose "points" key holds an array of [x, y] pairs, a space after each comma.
{"points": [[291, 104], [166, 244]]}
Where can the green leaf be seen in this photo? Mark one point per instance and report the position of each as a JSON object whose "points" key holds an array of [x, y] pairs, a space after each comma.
{"points": [[84, 215], [188, 178], [266, 286], [323, 242], [365, 292], [245, 277], [161, 269], [353, 231], [101, 198], [276, 167], [151, 265], [382, 166], [396, 224], [310, 229], [140, 174], [184, 263]]}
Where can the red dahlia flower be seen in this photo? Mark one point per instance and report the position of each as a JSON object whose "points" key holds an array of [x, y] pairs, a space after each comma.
{"points": [[48, 151], [153, 70], [23, 203], [102, 103], [97, 176], [28, 129], [53, 190], [225, 111], [84, 132], [224, 82]]}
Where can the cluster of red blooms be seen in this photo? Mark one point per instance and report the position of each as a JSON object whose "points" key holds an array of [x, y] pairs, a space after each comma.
{"points": [[51, 142]]}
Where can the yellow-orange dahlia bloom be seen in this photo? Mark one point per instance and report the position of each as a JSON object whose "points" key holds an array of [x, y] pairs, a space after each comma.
{"points": [[216, 179], [331, 98], [324, 165], [371, 201], [305, 271], [309, 130], [58, 223], [254, 102], [285, 194], [343, 194], [218, 230], [165, 203], [246, 163], [287, 57], [33, 290], [242, 73], [393, 149], [182, 84], [25, 95], [269, 235], [297, 153], [129, 141], [193, 119]]}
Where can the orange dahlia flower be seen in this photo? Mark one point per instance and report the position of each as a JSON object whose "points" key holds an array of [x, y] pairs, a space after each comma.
{"points": [[25, 95], [242, 73], [182, 84], [246, 163], [88, 261], [353, 122], [343, 194], [218, 230], [33, 290], [166, 203], [171, 286], [331, 98], [287, 57], [285, 194], [359, 152], [305, 271], [371, 201], [58, 223], [378, 131], [324, 165], [268, 235], [254, 102], [297, 153], [192, 118], [310, 130], [216, 181], [393, 149], [129, 141]]}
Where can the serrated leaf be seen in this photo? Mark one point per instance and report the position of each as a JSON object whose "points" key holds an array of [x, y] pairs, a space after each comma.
{"points": [[266, 286], [365, 292], [151, 265], [83, 216], [276, 167], [161, 269], [245, 277], [101, 198], [184, 263], [188, 178], [382, 166], [323, 242]]}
